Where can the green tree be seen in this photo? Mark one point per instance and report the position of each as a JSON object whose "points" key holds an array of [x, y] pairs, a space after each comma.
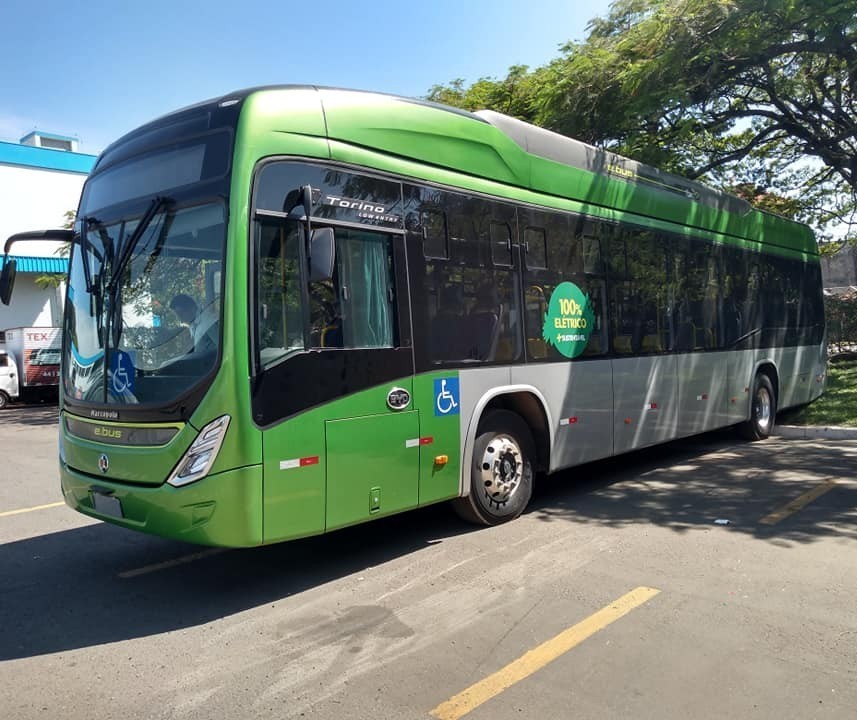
{"points": [[54, 280], [729, 91]]}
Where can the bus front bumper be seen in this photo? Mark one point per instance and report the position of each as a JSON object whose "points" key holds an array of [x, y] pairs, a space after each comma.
{"points": [[223, 509]]}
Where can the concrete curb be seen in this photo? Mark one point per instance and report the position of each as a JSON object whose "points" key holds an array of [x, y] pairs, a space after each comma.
{"points": [[815, 432]]}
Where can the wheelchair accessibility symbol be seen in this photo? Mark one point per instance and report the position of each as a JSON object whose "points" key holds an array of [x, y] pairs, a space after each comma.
{"points": [[446, 396], [121, 372]]}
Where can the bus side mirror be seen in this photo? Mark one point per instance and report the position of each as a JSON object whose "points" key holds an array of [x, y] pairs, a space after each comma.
{"points": [[7, 279], [322, 253]]}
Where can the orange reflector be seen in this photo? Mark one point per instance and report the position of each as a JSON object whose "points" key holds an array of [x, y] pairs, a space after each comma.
{"points": [[441, 459]]}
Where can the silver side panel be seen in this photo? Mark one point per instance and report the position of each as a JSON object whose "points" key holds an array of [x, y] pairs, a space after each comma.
{"points": [[702, 392], [741, 368], [798, 370], [477, 387], [646, 401], [598, 408], [580, 402]]}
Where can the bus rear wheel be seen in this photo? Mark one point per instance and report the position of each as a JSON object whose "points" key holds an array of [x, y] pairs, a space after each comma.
{"points": [[763, 410], [501, 473]]}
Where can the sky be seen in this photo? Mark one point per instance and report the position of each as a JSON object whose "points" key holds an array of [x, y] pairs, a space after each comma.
{"points": [[96, 69]]}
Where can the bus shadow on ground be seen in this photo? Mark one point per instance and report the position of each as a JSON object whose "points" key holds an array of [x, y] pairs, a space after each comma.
{"points": [[710, 480], [65, 591], [41, 415]]}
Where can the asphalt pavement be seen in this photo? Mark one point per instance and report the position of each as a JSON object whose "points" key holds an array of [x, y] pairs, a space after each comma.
{"points": [[708, 578]]}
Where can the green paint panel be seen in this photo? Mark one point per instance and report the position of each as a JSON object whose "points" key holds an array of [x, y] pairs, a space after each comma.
{"points": [[223, 509], [368, 451], [296, 497], [372, 466], [437, 482]]}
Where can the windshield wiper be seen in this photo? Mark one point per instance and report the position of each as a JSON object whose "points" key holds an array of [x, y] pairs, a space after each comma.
{"points": [[125, 253], [127, 249]]}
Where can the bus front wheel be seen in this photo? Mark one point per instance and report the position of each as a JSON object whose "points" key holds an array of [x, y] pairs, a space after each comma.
{"points": [[4, 400], [501, 474], [763, 410]]}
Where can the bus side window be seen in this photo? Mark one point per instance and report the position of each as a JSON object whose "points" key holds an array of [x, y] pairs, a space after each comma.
{"points": [[280, 321], [472, 297], [354, 309]]}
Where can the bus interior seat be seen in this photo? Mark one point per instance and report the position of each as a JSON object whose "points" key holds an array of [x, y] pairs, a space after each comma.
{"points": [[593, 347], [481, 331], [537, 348], [622, 344], [482, 324], [652, 343], [447, 335]]}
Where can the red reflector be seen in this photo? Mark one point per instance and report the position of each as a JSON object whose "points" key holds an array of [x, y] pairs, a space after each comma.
{"points": [[654, 406], [426, 440], [309, 461], [572, 421]]}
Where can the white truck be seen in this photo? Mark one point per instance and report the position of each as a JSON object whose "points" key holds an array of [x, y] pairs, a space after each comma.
{"points": [[30, 364]]}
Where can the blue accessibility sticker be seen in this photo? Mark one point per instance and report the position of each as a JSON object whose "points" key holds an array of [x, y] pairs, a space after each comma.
{"points": [[121, 372], [446, 396]]}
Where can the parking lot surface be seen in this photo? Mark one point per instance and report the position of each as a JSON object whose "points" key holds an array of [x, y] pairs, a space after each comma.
{"points": [[706, 578]]}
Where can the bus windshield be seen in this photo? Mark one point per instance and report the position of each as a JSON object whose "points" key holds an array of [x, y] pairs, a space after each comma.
{"points": [[151, 332]]}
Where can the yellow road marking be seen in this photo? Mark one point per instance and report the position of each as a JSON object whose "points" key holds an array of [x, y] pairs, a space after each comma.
{"points": [[797, 503], [538, 657], [7, 513], [171, 563]]}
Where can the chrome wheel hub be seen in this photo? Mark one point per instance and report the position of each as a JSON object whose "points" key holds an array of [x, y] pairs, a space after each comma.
{"points": [[762, 409], [502, 468]]}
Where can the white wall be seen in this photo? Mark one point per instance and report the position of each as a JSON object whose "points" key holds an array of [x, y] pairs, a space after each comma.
{"points": [[35, 199], [31, 306]]}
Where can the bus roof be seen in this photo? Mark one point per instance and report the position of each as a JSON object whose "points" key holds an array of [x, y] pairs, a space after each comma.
{"points": [[498, 148]]}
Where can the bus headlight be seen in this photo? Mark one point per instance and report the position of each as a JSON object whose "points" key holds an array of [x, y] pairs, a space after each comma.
{"points": [[200, 456]]}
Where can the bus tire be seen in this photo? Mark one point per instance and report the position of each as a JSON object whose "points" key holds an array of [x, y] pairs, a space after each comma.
{"points": [[763, 410], [501, 473], [4, 400]]}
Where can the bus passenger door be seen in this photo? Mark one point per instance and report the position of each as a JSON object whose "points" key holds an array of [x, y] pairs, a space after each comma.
{"points": [[372, 462], [372, 432], [334, 390]]}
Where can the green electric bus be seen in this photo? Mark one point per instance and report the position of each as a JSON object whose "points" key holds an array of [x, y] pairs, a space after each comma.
{"points": [[293, 309]]}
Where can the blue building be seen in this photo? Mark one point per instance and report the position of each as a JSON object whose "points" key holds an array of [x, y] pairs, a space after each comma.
{"points": [[40, 182]]}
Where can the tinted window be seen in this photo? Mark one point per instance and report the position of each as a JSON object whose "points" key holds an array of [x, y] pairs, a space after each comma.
{"points": [[433, 228], [569, 241], [467, 306], [501, 244], [535, 243], [354, 308], [158, 172], [279, 292], [336, 194]]}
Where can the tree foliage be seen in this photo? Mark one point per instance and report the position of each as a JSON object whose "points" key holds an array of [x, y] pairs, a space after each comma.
{"points": [[739, 93], [54, 280], [841, 315]]}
